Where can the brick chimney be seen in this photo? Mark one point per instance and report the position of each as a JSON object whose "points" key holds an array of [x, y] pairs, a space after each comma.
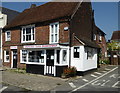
{"points": [[33, 5]]}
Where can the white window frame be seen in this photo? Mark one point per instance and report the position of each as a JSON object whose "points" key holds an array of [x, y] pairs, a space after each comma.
{"points": [[24, 27], [79, 52], [100, 37], [6, 36], [94, 37], [50, 35], [6, 56]]}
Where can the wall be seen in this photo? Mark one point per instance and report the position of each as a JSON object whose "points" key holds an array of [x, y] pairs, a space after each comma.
{"points": [[82, 63]]}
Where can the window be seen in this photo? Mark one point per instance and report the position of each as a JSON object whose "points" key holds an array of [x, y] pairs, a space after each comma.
{"points": [[100, 37], [76, 52], [90, 53], [36, 56], [6, 56], [24, 55], [28, 34], [7, 35], [64, 56], [54, 33], [94, 36]]}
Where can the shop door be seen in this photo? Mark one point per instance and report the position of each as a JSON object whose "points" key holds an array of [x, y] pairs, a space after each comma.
{"points": [[50, 62], [14, 58]]}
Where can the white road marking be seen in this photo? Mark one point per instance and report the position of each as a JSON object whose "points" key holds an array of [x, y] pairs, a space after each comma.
{"points": [[98, 73], [85, 80], [115, 85], [107, 69], [114, 76], [105, 82], [95, 83], [72, 85], [93, 80], [93, 75], [3, 88], [104, 71]]}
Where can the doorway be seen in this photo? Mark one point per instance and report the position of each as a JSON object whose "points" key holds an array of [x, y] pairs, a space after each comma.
{"points": [[14, 58], [50, 62]]}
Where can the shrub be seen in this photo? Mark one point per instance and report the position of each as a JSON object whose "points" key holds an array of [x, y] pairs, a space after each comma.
{"points": [[106, 61], [69, 72]]}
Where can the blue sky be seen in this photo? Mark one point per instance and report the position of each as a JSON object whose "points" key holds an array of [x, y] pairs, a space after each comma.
{"points": [[106, 14]]}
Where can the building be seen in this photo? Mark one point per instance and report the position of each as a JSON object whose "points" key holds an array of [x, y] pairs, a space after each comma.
{"points": [[46, 39], [6, 15], [99, 38], [114, 48]]}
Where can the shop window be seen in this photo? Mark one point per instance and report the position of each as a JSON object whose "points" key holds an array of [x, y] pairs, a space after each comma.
{"points": [[28, 34], [7, 35], [36, 56], [6, 56], [76, 52], [54, 33], [24, 55]]}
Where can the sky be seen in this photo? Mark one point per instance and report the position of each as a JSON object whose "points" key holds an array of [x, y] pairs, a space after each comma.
{"points": [[105, 13]]}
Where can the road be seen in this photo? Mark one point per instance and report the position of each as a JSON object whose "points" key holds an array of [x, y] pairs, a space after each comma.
{"points": [[102, 81]]}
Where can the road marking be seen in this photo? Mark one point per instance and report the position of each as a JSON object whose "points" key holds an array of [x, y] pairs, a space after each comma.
{"points": [[105, 82], [107, 69], [104, 71], [117, 83], [85, 80], [114, 76], [93, 75], [3, 88], [98, 73], [93, 80], [72, 85]]}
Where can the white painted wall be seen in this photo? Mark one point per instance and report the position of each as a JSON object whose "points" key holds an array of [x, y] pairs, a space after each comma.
{"points": [[82, 63], [3, 22]]}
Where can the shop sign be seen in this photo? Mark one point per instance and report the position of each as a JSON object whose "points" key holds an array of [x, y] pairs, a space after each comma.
{"points": [[13, 47], [40, 46]]}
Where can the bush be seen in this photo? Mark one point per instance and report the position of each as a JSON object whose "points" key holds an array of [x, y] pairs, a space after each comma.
{"points": [[106, 61], [69, 72]]}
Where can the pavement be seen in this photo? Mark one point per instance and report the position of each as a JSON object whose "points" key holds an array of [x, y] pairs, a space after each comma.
{"points": [[36, 82]]}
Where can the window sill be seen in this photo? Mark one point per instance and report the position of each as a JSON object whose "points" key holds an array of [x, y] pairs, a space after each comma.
{"points": [[35, 63], [27, 41], [6, 61]]}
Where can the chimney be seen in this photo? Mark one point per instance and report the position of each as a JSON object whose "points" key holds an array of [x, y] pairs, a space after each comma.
{"points": [[33, 5]]}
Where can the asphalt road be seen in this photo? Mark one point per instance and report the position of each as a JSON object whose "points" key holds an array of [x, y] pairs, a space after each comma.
{"points": [[106, 80]]}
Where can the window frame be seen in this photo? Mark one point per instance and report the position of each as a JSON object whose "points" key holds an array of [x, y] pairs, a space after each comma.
{"points": [[6, 56], [54, 33], [6, 36], [74, 51], [22, 35]]}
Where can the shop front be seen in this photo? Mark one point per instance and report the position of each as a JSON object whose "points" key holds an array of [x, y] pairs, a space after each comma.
{"points": [[45, 59]]}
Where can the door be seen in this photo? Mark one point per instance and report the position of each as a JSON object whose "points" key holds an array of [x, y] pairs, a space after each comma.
{"points": [[15, 59], [50, 62]]}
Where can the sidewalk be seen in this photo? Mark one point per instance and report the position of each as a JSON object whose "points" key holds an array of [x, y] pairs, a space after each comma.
{"points": [[33, 82]]}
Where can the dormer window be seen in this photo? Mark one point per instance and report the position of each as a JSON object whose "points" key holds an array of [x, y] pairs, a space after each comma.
{"points": [[7, 36], [28, 34], [54, 32]]}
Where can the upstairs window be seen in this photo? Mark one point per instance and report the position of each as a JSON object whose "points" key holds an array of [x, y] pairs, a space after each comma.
{"points": [[54, 32], [76, 52], [7, 35], [100, 37], [94, 36], [28, 34]]}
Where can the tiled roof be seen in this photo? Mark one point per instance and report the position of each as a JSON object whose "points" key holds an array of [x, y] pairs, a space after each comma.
{"points": [[45, 12], [116, 35]]}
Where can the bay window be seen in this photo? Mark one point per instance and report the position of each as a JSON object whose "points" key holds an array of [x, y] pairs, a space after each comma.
{"points": [[28, 33]]}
